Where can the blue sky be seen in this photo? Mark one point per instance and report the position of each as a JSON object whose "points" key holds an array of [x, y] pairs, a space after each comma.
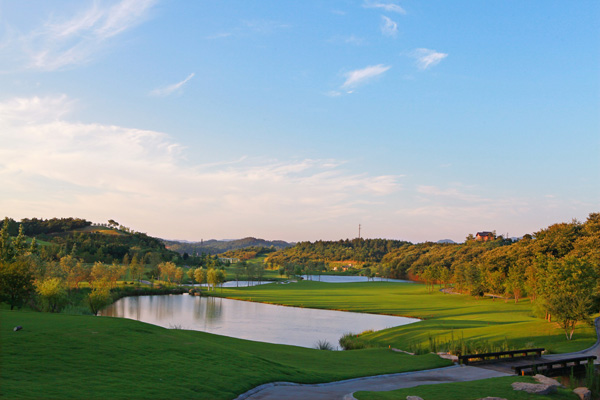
{"points": [[420, 120]]}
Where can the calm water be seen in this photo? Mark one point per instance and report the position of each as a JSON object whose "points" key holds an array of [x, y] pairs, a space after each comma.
{"points": [[349, 279], [247, 320]]}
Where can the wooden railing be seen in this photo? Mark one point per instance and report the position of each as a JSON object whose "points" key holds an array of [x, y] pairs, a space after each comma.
{"points": [[554, 367], [499, 355]]}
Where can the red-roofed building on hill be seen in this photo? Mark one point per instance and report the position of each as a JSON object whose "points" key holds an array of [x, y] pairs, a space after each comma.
{"points": [[485, 236]]}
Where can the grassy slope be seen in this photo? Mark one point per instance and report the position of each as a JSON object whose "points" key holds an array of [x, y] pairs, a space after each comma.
{"points": [[444, 314], [69, 356], [497, 387]]}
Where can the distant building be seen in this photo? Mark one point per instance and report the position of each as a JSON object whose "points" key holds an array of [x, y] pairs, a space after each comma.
{"points": [[484, 236]]}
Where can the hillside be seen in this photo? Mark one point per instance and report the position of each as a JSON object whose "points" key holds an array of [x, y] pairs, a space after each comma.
{"points": [[87, 241], [221, 246]]}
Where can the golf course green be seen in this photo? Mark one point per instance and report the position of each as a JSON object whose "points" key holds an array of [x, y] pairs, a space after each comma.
{"points": [[483, 323]]}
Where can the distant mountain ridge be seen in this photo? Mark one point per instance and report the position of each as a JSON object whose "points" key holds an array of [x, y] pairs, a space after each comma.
{"points": [[214, 246]]}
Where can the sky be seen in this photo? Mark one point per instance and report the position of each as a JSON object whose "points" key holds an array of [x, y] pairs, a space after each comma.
{"points": [[417, 120]]}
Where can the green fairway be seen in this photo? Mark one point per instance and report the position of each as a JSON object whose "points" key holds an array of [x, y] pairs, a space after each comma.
{"points": [[72, 356], [445, 315], [494, 387]]}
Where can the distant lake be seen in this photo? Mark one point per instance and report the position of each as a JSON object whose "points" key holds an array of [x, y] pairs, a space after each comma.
{"points": [[349, 279], [247, 320]]}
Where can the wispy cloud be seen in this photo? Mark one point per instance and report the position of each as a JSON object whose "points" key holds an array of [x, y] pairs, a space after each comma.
{"points": [[352, 39], [75, 40], [388, 26], [427, 58], [50, 166], [360, 76], [390, 7], [170, 89]]}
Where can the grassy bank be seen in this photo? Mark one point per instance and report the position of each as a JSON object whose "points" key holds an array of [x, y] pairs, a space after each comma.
{"points": [[76, 356], [496, 387], [477, 320]]}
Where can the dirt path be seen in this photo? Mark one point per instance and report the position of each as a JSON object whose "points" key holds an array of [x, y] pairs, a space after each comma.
{"points": [[344, 389]]}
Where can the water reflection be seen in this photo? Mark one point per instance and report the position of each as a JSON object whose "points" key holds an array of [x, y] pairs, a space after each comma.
{"points": [[248, 320], [349, 279]]}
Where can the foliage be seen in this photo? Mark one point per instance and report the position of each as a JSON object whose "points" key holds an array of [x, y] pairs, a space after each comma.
{"points": [[16, 283], [213, 247], [324, 345], [53, 293], [99, 297], [568, 294]]}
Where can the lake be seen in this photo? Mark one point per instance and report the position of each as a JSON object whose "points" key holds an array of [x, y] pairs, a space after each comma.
{"points": [[247, 320], [349, 279]]}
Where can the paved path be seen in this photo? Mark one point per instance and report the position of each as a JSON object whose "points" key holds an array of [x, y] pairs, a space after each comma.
{"points": [[343, 389]]}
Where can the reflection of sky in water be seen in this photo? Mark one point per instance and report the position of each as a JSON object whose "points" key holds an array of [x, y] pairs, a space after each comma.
{"points": [[348, 279], [248, 320]]}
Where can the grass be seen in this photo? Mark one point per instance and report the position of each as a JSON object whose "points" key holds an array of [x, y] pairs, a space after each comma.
{"points": [[496, 387], [59, 356], [491, 324]]}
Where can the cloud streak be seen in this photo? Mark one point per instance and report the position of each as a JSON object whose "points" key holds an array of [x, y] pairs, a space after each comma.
{"points": [[50, 166], [390, 7], [65, 42], [170, 89], [427, 58], [358, 77]]}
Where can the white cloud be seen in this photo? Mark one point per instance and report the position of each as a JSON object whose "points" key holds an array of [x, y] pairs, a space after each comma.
{"points": [[352, 39], [50, 166], [390, 7], [170, 89], [427, 58], [360, 76], [388, 26], [65, 42]]}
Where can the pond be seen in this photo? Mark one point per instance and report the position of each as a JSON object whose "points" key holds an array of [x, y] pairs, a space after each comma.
{"points": [[349, 279], [247, 320]]}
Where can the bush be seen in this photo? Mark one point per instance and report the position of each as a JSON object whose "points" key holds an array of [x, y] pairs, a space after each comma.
{"points": [[324, 345], [350, 341]]}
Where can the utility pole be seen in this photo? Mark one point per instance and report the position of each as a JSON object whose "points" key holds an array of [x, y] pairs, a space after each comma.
{"points": [[359, 231]]}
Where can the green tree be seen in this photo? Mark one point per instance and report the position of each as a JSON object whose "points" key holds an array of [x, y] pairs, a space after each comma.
{"points": [[568, 293], [190, 274], [16, 283], [7, 252], [100, 296]]}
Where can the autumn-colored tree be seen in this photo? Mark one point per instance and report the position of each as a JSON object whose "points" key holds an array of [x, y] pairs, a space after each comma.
{"points": [[53, 293]]}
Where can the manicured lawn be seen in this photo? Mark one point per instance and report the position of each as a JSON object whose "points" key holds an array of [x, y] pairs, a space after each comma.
{"points": [[494, 387], [62, 356], [445, 315]]}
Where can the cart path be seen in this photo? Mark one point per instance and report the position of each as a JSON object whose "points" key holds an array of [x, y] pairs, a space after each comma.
{"points": [[343, 389]]}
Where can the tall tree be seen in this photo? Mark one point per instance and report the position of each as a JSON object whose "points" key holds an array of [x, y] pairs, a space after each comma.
{"points": [[568, 293]]}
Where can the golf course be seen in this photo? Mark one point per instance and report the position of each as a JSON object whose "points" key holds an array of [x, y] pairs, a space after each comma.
{"points": [[79, 356]]}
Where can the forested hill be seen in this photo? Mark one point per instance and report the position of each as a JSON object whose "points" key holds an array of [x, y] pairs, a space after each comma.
{"points": [[361, 250], [499, 266], [222, 246], [58, 237]]}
